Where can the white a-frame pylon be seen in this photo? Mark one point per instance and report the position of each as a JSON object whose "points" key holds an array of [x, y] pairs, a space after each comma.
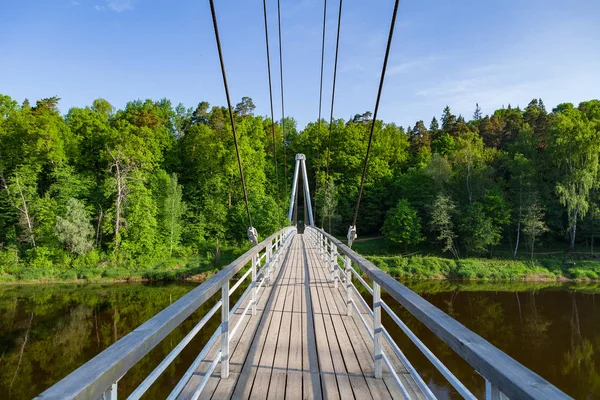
{"points": [[300, 158]]}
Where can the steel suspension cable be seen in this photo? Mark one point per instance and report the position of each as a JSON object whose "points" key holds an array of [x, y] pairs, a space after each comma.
{"points": [[235, 141], [385, 61], [320, 98], [272, 113], [337, 47], [282, 103]]}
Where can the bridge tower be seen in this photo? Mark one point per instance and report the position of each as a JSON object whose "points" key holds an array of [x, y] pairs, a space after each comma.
{"points": [[300, 164]]}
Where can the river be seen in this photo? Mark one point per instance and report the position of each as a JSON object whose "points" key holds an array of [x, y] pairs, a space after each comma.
{"points": [[46, 331]]}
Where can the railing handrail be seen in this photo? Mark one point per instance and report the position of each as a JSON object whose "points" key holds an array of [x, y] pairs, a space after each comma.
{"points": [[504, 372], [93, 378]]}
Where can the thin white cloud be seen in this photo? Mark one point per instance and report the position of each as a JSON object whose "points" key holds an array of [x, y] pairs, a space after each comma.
{"points": [[98, 8], [411, 65], [120, 5], [74, 3]]}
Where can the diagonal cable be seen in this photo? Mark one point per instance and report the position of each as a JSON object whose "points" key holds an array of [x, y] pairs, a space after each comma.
{"points": [[235, 141], [271, 101], [337, 46], [383, 69]]}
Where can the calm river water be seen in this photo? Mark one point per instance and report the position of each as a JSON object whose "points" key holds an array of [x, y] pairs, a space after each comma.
{"points": [[47, 331]]}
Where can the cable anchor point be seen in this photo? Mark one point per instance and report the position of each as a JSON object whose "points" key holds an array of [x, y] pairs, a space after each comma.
{"points": [[253, 236], [351, 235]]}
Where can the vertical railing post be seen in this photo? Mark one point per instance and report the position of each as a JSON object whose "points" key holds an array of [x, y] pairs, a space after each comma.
{"points": [[348, 266], [254, 262], [110, 393], [322, 246], [492, 392], [225, 330], [334, 265], [377, 329]]}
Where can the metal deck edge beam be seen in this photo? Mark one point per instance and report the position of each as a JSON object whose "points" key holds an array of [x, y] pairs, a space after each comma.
{"points": [[509, 376]]}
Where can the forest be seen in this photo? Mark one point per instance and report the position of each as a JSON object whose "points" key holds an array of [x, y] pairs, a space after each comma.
{"points": [[112, 192]]}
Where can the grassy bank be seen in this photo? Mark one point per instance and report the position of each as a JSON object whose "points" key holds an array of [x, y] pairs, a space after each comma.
{"points": [[424, 263], [194, 267]]}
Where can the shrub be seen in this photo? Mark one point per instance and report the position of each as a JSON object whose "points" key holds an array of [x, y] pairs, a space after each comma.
{"points": [[89, 273], [69, 275], [35, 274], [9, 260], [116, 273], [40, 258]]}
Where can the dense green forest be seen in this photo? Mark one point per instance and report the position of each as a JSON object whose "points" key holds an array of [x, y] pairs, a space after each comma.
{"points": [[103, 188]]}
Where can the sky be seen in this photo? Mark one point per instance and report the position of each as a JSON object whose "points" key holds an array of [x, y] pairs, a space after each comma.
{"points": [[454, 53]]}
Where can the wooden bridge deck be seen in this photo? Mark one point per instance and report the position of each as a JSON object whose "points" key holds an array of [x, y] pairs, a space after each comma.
{"points": [[301, 344]]}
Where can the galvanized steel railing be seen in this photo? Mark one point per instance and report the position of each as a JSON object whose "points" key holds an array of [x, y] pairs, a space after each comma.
{"points": [[504, 376], [99, 377]]}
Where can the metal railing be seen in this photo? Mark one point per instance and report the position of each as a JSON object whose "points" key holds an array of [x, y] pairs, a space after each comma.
{"points": [[504, 376], [99, 377]]}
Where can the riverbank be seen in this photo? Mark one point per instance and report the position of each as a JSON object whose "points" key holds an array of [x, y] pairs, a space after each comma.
{"points": [[550, 268], [193, 268], [430, 267], [426, 263]]}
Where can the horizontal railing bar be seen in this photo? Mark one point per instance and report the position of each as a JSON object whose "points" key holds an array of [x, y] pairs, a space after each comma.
{"points": [[190, 371], [504, 372], [263, 269], [240, 281], [206, 377], [365, 284], [145, 385], [453, 380], [92, 379], [395, 376], [367, 327], [422, 385], [261, 283], [237, 303], [242, 315], [364, 302]]}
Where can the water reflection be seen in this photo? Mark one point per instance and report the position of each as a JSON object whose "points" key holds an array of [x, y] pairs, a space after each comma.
{"points": [[48, 331], [553, 329]]}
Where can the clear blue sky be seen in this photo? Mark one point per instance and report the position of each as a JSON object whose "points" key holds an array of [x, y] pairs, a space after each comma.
{"points": [[444, 52]]}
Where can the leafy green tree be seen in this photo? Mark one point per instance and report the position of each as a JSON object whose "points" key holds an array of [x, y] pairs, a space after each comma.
{"points": [[575, 148], [328, 200], [402, 224], [440, 222], [74, 230], [478, 230], [245, 107], [533, 224]]}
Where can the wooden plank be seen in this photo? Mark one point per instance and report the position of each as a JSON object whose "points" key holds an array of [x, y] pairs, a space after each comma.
{"points": [[237, 352], [356, 355], [264, 368], [245, 380], [293, 381], [364, 351], [311, 388], [277, 384], [399, 367], [241, 348], [329, 382], [344, 358]]}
